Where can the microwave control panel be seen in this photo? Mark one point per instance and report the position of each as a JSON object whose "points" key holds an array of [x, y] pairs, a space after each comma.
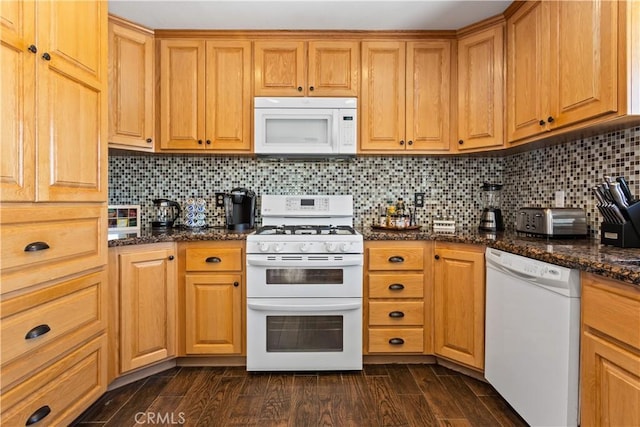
{"points": [[348, 127]]}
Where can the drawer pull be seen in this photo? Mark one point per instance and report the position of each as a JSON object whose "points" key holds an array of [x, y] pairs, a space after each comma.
{"points": [[213, 259], [396, 341], [396, 314], [396, 286], [396, 259], [36, 246], [37, 331], [39, 415]]}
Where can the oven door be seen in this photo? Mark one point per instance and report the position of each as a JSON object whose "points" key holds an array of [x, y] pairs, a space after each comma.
{"points": [[288, 334], [292, 275]]}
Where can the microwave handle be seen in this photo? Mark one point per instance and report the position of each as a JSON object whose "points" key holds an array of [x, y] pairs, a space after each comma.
{"points": [[304, 307], [336, 132]]}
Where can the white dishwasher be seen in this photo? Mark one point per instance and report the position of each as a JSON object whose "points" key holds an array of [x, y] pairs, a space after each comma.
{"points": [[532, 337]]}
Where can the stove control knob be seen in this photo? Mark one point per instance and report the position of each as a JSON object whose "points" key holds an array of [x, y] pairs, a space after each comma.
{"points": [[264, 247], [305, 247], [278, 247], [331, 247], [344, 247]]}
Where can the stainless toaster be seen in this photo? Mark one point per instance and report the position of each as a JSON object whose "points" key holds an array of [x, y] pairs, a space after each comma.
{"points": [[552, 222]]}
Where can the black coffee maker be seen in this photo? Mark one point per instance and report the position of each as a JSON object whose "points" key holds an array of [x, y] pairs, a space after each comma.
{"points": [[240, 209]]}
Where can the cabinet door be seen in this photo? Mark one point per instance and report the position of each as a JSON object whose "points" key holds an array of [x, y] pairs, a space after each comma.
{"points": [[131, 86], [585, 62], [459, 306], [333, 68], [481, 89], [17, 155], [182, 94], [213, 313], [428, 107], [382, 97], [528, 80], [279, 68], [610, 384], [147, 307], [228, 96], [71, 86]]}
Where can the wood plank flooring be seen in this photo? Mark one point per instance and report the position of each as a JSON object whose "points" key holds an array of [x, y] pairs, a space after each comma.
{"points": [[380, 395]]}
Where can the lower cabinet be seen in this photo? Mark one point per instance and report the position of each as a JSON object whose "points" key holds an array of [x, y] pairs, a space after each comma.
{"points": [[146, 279], [459, 289], [610, 353], [213, 297]]}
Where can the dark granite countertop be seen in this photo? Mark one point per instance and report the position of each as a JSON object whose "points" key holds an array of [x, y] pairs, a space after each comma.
{"points": [[583, 254]]}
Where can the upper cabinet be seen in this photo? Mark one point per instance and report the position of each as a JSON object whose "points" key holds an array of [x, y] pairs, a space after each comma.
{"points": [[481, 89], [405, 100], [131, 86], [314, 68], [569, 62], [54, 105], [205, 95]]}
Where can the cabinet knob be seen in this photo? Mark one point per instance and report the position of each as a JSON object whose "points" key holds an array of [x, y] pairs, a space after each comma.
{"points": [[236, 284], [410, 142], [396, 314], [550, 119], [170, 257], [46, 56], [299, 88], [200, 141], [402, 142], [311, 88], [437, 257], [213, 260], [37, 332], [396, 341], [32, 48], [208, 142], [149, 140], [396, 286], [36, 246], [542, 122], [396, 259], [38, 415], [460, 141]]}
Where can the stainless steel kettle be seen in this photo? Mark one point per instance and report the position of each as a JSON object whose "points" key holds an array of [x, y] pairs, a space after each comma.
{"points": [[166, 212]]}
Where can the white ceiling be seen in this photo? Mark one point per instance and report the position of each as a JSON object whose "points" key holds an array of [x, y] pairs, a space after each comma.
{"points": [[306, 14]]}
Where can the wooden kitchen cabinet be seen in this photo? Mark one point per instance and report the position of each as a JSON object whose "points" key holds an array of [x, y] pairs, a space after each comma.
{"points": [[459, 289], [205, 95], [307, 68], [405, 102], [131, 86], [481, 89], [147, 276], [397, 301], [213, 297], [562, 65], [54, 106], [610, 352]]}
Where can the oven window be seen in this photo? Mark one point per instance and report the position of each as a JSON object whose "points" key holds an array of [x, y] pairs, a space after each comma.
{"points": [[304, 276], [304, 333]]}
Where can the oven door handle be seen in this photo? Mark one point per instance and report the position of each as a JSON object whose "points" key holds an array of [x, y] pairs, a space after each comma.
{"points": [[303, 264], [306, 307]]}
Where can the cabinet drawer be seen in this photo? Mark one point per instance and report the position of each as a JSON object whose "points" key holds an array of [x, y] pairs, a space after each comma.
{"points": [[396, 285], [406, 313], [66, 388], [75, 237], [612, 312], [214, 259], [58, 317], [400, 258], [412, 340]]}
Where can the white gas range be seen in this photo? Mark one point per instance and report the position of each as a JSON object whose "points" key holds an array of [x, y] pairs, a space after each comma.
{"points": [[304, 285]]}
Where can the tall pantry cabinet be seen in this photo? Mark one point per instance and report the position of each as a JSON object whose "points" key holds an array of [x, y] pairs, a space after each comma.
{"points": [[53, 175]]}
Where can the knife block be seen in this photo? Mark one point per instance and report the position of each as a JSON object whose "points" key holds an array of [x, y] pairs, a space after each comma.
{"points": [[625, 235]]}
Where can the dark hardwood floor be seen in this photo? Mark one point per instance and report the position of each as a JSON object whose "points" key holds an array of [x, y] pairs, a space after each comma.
{"points": [[380, 395]]}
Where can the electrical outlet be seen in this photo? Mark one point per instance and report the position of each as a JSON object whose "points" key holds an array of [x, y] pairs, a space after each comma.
{"points": [[220, 200], [418, 200]]}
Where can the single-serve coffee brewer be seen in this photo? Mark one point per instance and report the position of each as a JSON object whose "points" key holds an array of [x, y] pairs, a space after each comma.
{"points": [[240, 208]]}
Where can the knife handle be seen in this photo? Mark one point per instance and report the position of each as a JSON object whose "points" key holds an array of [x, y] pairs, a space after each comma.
{"points": [[625, 189], [617, 194]]}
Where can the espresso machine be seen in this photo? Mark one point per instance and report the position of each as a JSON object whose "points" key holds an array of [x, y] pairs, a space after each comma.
{"points": [[489, 198], [240, 209]]}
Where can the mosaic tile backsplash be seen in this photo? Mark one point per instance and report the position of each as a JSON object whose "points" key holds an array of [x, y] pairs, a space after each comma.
{"points": [[451, 184]]}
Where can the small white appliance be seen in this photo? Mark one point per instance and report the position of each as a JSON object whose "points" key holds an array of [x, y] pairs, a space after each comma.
{"points": [[304, 286], [305, 127], [532, 337]]}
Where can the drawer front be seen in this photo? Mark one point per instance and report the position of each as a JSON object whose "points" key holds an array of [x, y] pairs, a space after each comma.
{"points": [[396, 285], [388, 313], [45, 243], [214, 259], [66, 388], [67, 307], [407, 340], [612, 312], [401, 258]]}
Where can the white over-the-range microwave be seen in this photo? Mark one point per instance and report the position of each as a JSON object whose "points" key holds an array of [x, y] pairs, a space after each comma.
{"points": [[305, 127]]}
